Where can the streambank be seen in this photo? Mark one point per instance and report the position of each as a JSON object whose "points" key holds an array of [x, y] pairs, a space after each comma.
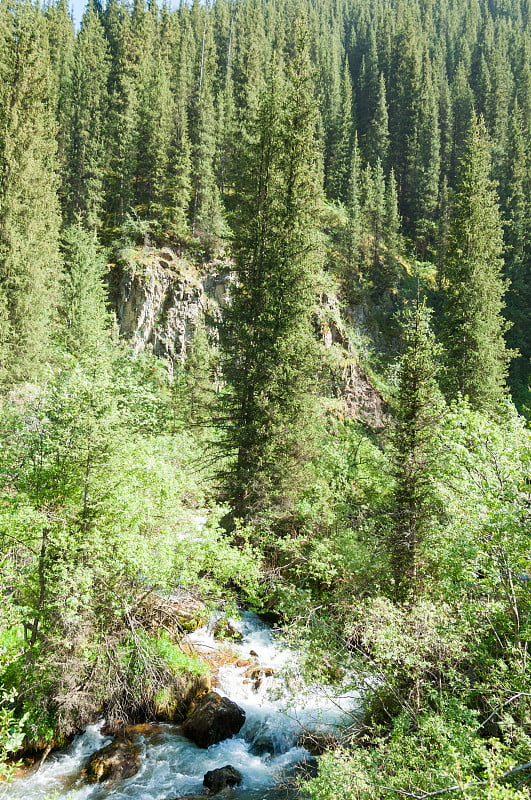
{"points": [[264, 679]]}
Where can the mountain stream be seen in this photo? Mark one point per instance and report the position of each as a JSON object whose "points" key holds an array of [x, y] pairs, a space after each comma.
{"points": [[266, 751]]}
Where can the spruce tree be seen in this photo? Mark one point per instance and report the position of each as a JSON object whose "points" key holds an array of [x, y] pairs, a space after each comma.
{"points": [[132, 42], [427, 165], [418, 411], [83, 311], [473, 326], [29, 208], [516, 205], [372, 224], [339, 138], [85, 150], [392, 236], [405, 88], [377, 137], [155, 131], [462, 114], [61, 38], [179, 166], [268, 342], [353, 233], [206, 211]]}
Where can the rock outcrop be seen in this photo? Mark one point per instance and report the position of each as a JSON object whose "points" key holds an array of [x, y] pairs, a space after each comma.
{"points": [[362, 401], [160, 299], [163, 296], [214, 719]]}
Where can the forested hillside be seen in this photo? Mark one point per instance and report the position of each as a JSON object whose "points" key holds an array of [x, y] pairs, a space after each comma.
{"points": [[265, 295]]}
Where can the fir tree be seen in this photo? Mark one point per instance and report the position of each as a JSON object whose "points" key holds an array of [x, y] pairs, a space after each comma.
{"points": [[473, 326], [83, 304], [462, 113], [180, 165], [392, 236], [268, 342], [354, 214], [516, 205], [372, 223], [61, 38], [86, 125], [427, 165], [419, 406], [405, 89], [155, 130], [339, 139], [206, 212], [377, 137], [29, 209]]}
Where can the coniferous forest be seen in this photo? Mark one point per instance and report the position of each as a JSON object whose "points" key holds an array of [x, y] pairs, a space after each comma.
{"points": [[265, 343]]}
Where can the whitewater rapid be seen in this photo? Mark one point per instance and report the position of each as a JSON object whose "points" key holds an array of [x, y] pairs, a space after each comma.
{"points": [[278, 707]]}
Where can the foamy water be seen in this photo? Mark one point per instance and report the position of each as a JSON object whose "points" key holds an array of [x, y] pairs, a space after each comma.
{"points": [[278, 709]]}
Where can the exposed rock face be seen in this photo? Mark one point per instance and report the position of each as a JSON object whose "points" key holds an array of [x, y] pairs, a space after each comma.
{"points": [[159, 303], [116, 761], [162, 297], [216, 718], [362, 401], [218, 779]]}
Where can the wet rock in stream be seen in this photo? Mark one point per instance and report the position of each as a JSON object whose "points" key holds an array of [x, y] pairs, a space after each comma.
{"points": [[118, 760], [190, 797], [216, 718], [217, 779]]}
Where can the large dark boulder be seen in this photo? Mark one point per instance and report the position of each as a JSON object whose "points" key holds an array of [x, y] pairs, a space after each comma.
{"points": [[218, 779], [216, 718], [116, 761], [190, 797]]}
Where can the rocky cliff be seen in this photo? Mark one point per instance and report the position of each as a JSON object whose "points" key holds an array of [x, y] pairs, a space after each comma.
{"points": [[162, 297]]}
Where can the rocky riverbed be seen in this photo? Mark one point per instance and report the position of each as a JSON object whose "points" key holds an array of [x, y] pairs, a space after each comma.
{"points": [[248, 737]]}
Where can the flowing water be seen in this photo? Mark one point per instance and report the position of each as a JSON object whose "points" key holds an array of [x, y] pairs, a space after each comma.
{"points": [[278, 709]]}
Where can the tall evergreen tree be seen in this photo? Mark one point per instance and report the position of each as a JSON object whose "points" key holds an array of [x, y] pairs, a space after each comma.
{"points": [[268, 341], [462, 113], [377, 137], [180, 164], [516, 204], [61, 38], [372, 184], [207, 215], [418, 410], [86, 125], [473, 326], [392, 235], [405, 89], [132, 38], [354, 214], [29, 209], [83, 311], [426, 171], [339, 138], [155, 131]]}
